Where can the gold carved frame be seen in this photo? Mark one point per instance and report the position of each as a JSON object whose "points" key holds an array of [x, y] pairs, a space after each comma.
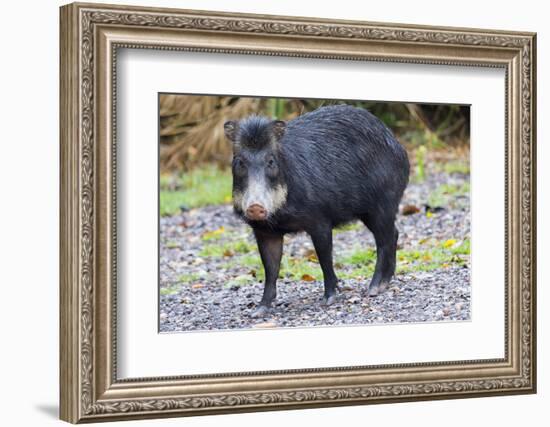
{"points": [[90, 36]]}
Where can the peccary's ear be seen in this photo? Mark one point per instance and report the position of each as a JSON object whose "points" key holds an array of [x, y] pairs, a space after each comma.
{"points": [[278, 127], [230, 129]]}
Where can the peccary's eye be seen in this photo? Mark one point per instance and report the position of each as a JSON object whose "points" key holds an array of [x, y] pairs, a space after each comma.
{"points": [[239, 168], [272, 168]]}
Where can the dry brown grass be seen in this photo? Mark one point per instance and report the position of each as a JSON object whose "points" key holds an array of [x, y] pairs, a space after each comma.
{"points": [[191, 128]]}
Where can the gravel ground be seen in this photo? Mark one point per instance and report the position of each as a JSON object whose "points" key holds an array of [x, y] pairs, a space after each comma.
{"points": [[202, 292]]}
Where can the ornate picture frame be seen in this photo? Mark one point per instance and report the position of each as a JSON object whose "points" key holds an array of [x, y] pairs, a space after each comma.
{"points": [[90, 37]]}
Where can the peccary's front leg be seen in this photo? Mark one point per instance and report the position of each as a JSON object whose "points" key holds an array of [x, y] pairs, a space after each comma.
{"points": [[270, 246]]}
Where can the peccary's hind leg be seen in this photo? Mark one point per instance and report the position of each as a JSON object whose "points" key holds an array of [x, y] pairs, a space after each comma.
{"points": [[322, 241], [270, 246], [385, 235]]}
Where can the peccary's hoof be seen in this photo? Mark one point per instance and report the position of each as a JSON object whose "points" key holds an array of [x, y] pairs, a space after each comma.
{"points": [[373, 291], [261, 311], [378, 289], [330, 300]]}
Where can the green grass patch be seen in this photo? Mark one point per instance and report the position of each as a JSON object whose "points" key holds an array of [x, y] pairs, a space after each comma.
{"points": [[291, 267], [203, 186], [405, 269], [214, 234], [429, 256], [462, 249], [227, 249], [359, 257], [243, 247], [356, 264], [252, 261], [189, 278], [352, 226], [172, 244], [423, 137], [457, 166], [421, 163], [300, 269], [171, 290], [445, 254]]}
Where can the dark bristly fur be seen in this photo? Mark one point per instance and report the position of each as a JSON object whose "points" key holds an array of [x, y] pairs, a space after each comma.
{"points": [[338, 164], [254, 132]]}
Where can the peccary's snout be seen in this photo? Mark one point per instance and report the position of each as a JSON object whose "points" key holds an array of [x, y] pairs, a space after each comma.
{"points": [[256, 212]]}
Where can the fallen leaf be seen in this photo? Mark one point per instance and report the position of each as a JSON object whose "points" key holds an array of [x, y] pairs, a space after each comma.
{"points": [[214, 233], [308, 278], [410, 210], [252, 273], [228, 253], [313, 258], [311, 255], [429, 214], [197, 286], [242, 278], [449, 243]]}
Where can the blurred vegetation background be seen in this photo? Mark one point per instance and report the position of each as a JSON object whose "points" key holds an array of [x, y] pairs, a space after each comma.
{"points": [[195, 156]]}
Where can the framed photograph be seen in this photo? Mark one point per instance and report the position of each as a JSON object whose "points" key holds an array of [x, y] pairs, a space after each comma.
{"points": [[267, 212]]}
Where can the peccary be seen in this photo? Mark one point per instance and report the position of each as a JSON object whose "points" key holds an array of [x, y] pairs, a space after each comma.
{"points": [[313, 173]]}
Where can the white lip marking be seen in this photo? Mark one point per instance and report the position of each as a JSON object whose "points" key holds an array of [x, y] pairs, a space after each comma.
{"points": [[279, 197], [258, 192], [237, 198]]}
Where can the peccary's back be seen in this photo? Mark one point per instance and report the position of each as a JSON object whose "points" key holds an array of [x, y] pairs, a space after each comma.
{"points": [[344, 157]]}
